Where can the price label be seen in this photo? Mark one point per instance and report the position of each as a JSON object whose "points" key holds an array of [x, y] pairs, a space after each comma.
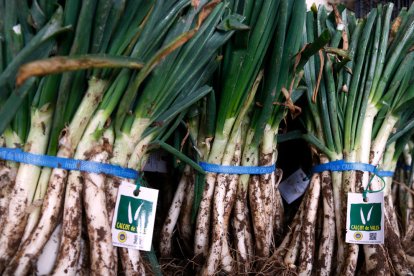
{"points": [[365, 219], [133, 223], [294, 186], [157, 162]]}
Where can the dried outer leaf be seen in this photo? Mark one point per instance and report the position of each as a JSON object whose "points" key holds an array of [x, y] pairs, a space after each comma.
{"points": [[313, 48], [63, 64], [195, 3], [205, 12]]}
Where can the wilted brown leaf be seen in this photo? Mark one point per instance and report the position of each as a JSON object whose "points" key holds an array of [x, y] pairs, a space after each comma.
{"points": [[57, 65]]}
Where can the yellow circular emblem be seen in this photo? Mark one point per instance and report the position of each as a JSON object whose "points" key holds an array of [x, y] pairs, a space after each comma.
{"points": [[358, 236], [122, 237]]}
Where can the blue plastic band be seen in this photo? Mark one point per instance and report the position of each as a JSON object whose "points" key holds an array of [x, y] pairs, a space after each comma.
{"points": [[385, 173], [214, 168], [403, 166], [17, 155], [341, 165]]}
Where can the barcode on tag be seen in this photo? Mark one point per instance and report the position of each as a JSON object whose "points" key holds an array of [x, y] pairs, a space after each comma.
{"points": [[372, 236]]}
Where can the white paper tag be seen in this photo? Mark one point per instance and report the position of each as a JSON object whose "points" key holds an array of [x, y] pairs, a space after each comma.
{"points": [[294, 186], [133, 222], [365, 220], [157, 162]]}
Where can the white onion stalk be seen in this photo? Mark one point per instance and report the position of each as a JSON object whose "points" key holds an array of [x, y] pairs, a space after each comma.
{"points": [[410, 259], [25, 185], [263, 186], [308, 234], [325, 255], [98, 223], [389, 164], [112, 184], [172, 216], [37, 202], [72, 223], [83, 267], [8, 172], [47, 258], [279, 255], [278, 209], [242, 230], [404, 178], [231, 193], [202, 231], [292, 249], [52, 203], [408, 220], [241, 219], [363, 155], [408, 214], [220, 202], [227, 261], [185, 225], [394, 247], [347, 253], [132, 262], [298, 245], [125, 144]]}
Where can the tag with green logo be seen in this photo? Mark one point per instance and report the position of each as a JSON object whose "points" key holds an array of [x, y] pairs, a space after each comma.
{"points": [[134, 217], [365, 220]]}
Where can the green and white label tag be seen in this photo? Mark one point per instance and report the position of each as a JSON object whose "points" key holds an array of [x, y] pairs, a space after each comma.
{"points": [[134, 217], [365, 220]]}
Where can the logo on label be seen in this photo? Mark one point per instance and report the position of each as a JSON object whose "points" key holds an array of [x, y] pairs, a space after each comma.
{"points": [[358, 236], [133, 214], [365, 217], [122, 237]]}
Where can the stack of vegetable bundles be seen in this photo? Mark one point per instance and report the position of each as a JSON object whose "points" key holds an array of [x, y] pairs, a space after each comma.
{"points": [[168, 50], [105, 82]]}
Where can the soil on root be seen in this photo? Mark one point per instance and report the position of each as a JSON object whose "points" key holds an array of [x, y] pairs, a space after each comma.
{"points": [[175, 266], [276, 267]]}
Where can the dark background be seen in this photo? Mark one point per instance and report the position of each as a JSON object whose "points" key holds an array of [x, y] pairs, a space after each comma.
{"points": [[362, 7]]}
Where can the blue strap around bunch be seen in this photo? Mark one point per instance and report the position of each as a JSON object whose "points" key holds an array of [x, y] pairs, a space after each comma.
{"points": [[403, 166], [215, 168], [385, 173], [341, 165], [17, 155]]}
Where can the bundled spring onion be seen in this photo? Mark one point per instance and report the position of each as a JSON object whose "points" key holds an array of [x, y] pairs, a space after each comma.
{"points": [[240, 71], [174, 86], [226, 73], [398, 158], [136, 13], [155, 31], [344, 100], [41, 111], [247, 121]]}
